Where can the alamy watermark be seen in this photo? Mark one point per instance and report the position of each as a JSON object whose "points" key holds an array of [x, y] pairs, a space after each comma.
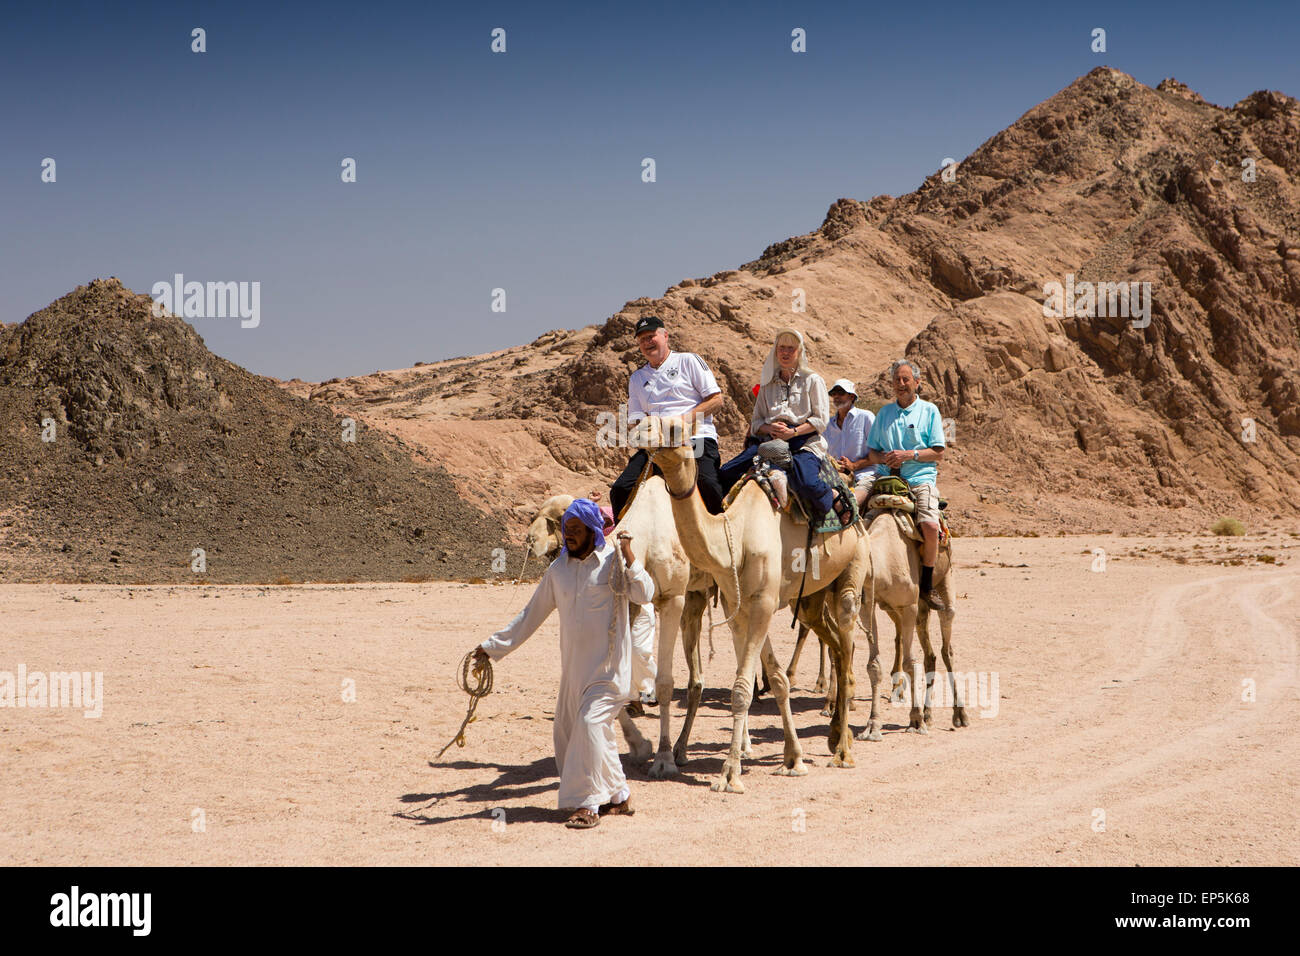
{"points": [[1128, 300], [211, 300], [75, 908], [77, 689], [979, 689], [613, 430]]}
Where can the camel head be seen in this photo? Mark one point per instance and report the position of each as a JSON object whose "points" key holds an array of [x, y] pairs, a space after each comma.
{"points": [[543, 538], [668, 440]]}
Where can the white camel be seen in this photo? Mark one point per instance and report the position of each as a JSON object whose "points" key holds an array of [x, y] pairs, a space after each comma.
{"points": [[752, 551], [896, 563]]}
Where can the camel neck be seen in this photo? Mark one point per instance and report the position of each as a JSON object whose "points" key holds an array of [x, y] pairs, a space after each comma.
{"points": [[703, 535]]}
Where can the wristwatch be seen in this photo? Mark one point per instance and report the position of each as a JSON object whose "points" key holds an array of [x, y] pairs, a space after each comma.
{"points": [[916, 455]]}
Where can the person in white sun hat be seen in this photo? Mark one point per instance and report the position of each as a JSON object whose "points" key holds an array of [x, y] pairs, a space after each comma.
{"points": [[846, 438]]}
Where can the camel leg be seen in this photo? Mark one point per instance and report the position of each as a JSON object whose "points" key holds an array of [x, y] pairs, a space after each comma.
{"points": [[792, 764], [959, 718], [927, 649], [829, 685], [826, 680], [848, 673], [900, 686], [845, 613], [798, 649], [692, 622], [868, 616], [903, 649], [749, 632], [639, 748], [820, 686], [669, 617]]}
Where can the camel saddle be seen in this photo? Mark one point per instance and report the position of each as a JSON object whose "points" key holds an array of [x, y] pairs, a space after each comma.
{"points": [[891, 494], [766, 470]]}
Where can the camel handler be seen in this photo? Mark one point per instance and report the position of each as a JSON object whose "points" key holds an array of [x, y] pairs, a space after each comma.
{"points": [[672, 384], [846, 438], [908, 437], [591, 587]]}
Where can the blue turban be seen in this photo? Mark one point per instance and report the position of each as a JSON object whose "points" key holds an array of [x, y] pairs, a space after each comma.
{"points": [[588, 512]]}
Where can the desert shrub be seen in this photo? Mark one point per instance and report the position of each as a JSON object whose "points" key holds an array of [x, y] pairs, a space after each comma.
{"points": [[1228, 526]]}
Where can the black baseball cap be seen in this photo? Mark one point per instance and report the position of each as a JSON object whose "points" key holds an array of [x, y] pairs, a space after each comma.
{"points": [[648, 323]]}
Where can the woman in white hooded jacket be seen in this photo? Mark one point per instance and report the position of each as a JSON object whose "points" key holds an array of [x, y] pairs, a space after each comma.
{"points": [[792, 405]]}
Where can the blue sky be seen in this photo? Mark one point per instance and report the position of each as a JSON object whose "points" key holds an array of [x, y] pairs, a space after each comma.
{"points": [[519, 170]]}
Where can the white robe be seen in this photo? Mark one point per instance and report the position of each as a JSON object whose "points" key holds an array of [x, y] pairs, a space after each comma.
{"points": [[594, 683], [644, 668]]}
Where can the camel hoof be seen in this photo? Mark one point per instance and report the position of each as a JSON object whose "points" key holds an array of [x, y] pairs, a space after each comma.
{"points": [[842, 760], [871, 733], [918, 730], [641, 754], [959, 718], [663, 767], [929, 721], [729, 780], [853, 704], [819, 688], [679, 756], [826, 712], [797, 770]]}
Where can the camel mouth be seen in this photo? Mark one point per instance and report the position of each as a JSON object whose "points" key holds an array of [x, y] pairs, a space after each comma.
{"points": [[658, 434]]}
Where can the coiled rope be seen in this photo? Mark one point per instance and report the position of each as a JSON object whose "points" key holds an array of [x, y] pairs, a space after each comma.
{"points": [[735, 580], [482, 677], [482, 672]]}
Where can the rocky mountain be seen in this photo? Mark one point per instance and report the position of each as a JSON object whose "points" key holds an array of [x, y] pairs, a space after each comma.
{"points": [[127, 445], [1087, 420], [1103, 299]]}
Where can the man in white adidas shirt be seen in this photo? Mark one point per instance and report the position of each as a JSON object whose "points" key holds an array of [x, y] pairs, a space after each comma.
{"points": [[677, 384]]}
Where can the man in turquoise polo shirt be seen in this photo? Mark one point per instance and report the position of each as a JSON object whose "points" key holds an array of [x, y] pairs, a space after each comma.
{"points": [[907, 435]]}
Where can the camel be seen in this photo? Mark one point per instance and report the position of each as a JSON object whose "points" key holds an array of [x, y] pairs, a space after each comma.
{"points": [[751, 551], [896, 566], [681, 596]]}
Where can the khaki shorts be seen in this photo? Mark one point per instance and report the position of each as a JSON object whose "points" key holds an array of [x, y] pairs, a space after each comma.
{"points": [[927, 503]]}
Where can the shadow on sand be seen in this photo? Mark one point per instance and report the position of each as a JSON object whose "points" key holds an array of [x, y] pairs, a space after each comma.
{"points": [[512, 782], [705, 764]]}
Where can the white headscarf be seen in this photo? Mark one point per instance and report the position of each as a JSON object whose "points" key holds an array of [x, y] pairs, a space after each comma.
{"points": [[772, 368]]}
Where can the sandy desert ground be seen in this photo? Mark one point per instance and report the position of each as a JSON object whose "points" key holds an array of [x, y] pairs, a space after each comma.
{"points": [[1118, 692]]}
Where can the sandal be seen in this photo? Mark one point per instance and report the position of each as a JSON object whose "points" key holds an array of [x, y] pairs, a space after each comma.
{"points": [[843, 510], [617, 809], [582, 819]]}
